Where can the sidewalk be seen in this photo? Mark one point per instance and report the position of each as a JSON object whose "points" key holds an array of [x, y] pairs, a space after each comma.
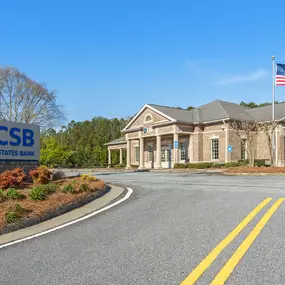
{"points": [[65, 218]]}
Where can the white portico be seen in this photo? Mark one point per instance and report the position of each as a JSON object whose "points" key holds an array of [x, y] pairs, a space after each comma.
{"points": [[154, 140]]}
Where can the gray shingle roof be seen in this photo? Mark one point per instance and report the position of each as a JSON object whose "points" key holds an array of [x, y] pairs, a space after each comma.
{"points": [[220, 110], [176, 113], [117, 141], [265, 113]]}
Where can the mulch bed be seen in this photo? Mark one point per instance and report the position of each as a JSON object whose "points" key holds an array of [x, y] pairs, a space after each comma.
{"points": [[53, 201], [249, 169]]}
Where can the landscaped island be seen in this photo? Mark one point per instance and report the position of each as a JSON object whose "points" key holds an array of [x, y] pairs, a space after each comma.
{"points": [[27, 197]]}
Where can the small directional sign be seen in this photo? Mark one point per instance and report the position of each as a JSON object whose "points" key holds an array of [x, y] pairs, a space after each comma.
{"points": [[175, 144], [230, 148], [145, 130]]}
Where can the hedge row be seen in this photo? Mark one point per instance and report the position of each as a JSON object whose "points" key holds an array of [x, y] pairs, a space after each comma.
{"points": [[257, 162], [200, 165], [204, 165]]}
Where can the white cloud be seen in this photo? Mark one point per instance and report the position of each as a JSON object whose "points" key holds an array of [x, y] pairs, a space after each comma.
{"points": [[253, 76]]}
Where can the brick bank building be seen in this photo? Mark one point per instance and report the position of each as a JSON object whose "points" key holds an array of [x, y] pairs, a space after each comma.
{"points": [[160, 136]]}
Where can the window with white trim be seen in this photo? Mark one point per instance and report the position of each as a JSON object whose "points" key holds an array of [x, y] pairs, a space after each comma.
{"points": [[137, 154], [214, 149], [163, 155], [148, 118], [183, 151], [243, 149]]}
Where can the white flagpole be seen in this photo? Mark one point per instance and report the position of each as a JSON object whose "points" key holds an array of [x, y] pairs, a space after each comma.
{"points": [[274, 150]]}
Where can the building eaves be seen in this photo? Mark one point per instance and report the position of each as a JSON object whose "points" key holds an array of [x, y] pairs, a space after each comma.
{"points": [[121, 140]]}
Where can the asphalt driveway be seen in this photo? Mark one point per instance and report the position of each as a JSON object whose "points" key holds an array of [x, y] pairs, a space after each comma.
{"points": [[168, 226]]}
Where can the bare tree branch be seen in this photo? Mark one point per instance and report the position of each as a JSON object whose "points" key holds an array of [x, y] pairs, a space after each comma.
{"points": [[26, 101], [247, 130], [268, 129]]}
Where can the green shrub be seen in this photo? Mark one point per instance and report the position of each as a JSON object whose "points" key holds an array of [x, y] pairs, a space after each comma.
{"points": [[245, 161], [233, 164], [50, 188], [120, 166], [218, 165], [13, 194], [202, 165], [134, 166], [199, 165], [259, 162], [84, 188], [17, 208], [69, 188], [12, 217], [38, 193], [181, 165], [2, 195]]}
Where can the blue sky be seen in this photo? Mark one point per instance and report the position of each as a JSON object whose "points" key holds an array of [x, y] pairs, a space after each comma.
{"points": [[109, 58]]}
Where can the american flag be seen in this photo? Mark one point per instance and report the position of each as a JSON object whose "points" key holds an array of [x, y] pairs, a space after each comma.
{"points": [[280, 75]]}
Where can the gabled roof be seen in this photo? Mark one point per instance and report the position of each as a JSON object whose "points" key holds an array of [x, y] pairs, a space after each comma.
{"points": [[179, 115], [142, 109]]}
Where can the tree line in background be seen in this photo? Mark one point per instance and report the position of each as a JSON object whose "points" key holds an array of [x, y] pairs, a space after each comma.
{"points": [[81, 144]]}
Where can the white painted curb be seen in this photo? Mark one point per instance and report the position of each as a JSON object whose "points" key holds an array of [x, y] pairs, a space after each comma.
{"points": [[127, 196]]}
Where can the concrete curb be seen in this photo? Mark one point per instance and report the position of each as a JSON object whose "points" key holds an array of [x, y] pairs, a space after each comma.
{"points": [[55, 212], [253, 174], [111, 198]]}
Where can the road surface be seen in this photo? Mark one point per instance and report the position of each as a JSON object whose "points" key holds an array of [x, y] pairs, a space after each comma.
{"points": [[159, 235]]}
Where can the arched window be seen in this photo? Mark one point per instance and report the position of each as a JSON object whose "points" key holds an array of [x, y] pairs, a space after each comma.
{"points": [[148, 118]]}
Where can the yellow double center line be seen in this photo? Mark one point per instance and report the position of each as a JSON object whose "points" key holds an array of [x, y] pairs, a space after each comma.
{"points": [[228, 268]]}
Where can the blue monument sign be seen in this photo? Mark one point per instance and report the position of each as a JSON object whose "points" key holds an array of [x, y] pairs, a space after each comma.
{"points": [[19, 141]]}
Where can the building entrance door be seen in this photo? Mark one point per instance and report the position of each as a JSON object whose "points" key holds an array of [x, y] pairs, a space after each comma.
{"points": [[166, 154]]}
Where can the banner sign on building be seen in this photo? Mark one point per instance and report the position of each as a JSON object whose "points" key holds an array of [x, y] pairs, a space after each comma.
{"points": [[19, 141]]}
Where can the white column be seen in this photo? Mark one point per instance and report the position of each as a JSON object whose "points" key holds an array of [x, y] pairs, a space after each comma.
{"points": [[141, 153], [109, 158], [128, 154], [158, 151], [175, 150], [121, 156]]}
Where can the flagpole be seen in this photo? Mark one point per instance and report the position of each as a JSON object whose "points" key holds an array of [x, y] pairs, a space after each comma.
{"points": [[274, 151], [273, 88]]}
